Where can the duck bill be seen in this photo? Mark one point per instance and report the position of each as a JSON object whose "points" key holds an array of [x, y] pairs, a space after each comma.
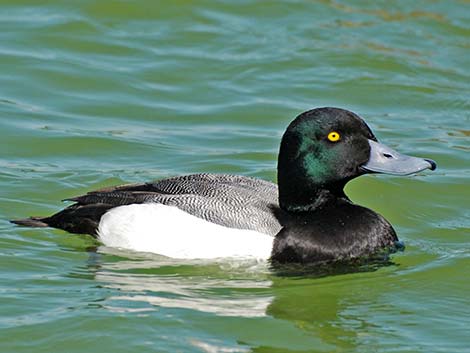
{"points": [[385, 160]]}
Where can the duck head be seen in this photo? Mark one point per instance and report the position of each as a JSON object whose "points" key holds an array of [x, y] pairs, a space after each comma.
{"points": [[324, 148]]}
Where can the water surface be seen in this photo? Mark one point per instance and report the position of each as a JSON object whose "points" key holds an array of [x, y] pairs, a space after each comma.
{"points": [[99, 93]]}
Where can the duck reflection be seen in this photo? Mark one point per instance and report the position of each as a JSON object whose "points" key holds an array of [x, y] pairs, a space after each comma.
{"points": [[226, 288], [315, 307]]}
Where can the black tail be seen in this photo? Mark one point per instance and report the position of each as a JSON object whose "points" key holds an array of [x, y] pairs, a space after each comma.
{"points": [[31, 222], [79, 219]]}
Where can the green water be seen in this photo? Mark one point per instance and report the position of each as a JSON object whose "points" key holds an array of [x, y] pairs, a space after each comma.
{"points": [[96, 93]]}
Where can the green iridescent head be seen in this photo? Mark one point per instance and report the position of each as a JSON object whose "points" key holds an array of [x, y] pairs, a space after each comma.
{"points": [[324, 148]]}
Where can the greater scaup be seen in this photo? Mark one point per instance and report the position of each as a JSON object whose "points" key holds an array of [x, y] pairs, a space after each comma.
{"points": [[306, 218]]}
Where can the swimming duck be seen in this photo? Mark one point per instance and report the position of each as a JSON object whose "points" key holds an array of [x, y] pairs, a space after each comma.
{"points": [[305, 218]]}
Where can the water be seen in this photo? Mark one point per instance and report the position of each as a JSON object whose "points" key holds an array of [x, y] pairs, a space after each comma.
{"points": [[100, 93]]}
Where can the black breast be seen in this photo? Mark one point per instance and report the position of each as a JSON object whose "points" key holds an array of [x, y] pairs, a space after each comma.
{"points": [[338, 233]]}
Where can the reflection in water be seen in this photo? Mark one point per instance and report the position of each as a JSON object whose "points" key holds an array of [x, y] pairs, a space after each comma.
{"points": [[187, 284], [187, 293], [311, 309]]}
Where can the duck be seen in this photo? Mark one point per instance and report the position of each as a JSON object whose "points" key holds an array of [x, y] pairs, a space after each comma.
{"points": [[305, 218]]}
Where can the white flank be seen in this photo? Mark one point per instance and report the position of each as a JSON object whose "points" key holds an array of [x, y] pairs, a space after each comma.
{"points": [[169, 231]]}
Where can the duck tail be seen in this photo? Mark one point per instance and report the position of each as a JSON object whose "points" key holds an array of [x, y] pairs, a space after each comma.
{"points": [[31, 222]]}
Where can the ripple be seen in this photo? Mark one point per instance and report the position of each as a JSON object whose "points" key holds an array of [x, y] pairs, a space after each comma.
{"points": [[99, 94]]}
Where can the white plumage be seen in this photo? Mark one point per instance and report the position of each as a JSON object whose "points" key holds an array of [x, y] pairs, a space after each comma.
{"points": [[169, 231]]}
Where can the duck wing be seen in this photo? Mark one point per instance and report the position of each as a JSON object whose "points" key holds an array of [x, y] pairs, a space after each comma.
{"points": [[228, 200]]}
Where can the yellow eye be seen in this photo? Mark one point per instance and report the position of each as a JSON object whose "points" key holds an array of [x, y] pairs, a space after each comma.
{"points": [[334, 136]]}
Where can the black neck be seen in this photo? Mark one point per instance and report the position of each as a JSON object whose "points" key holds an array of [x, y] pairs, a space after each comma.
{"points": [[297, 193]]}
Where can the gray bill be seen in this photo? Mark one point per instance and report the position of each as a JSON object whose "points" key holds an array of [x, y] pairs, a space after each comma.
{"points": [[383, 159]]}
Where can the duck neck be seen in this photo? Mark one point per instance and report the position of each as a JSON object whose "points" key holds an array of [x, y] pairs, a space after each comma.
{"points": [[296, 194]]}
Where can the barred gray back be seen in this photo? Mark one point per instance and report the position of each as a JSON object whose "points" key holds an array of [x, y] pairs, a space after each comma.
{"points": [[229, 200]]}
